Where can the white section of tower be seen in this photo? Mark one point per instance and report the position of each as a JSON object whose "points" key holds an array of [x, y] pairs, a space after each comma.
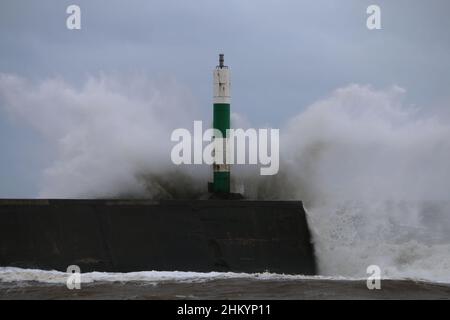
{"points": [[222, 85]]}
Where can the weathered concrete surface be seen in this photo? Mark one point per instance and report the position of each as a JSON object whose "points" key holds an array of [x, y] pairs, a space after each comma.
{"points": [[136, 235]]}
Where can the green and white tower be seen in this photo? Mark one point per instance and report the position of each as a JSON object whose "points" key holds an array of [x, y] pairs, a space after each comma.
{"points": [[221, 122]]}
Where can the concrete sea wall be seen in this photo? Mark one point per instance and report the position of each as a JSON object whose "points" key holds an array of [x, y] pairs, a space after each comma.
{"points": [[137, 235]]}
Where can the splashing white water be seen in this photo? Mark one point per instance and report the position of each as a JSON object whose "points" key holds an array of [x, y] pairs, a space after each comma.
{"points": [[374, 173], [8, 274], [376, 177], [111, 135]]}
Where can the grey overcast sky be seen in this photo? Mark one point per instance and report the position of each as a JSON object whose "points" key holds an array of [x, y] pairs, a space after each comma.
{"points": [[284, 55]]}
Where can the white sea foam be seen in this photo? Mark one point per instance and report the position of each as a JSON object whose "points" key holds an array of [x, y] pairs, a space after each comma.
{"points": [[375, 177], [11, 274]]}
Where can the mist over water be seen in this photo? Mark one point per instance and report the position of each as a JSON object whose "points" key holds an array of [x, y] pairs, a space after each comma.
{"points": [[374, 175], [373, 172], [111, 136]]}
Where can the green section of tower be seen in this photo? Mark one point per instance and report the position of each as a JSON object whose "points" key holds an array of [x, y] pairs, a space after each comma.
{"points": [[221, 119], [221, 122], [222, 181]]}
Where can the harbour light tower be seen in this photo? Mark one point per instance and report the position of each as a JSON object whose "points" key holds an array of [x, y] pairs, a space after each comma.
{"points": [[221, 122]]}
